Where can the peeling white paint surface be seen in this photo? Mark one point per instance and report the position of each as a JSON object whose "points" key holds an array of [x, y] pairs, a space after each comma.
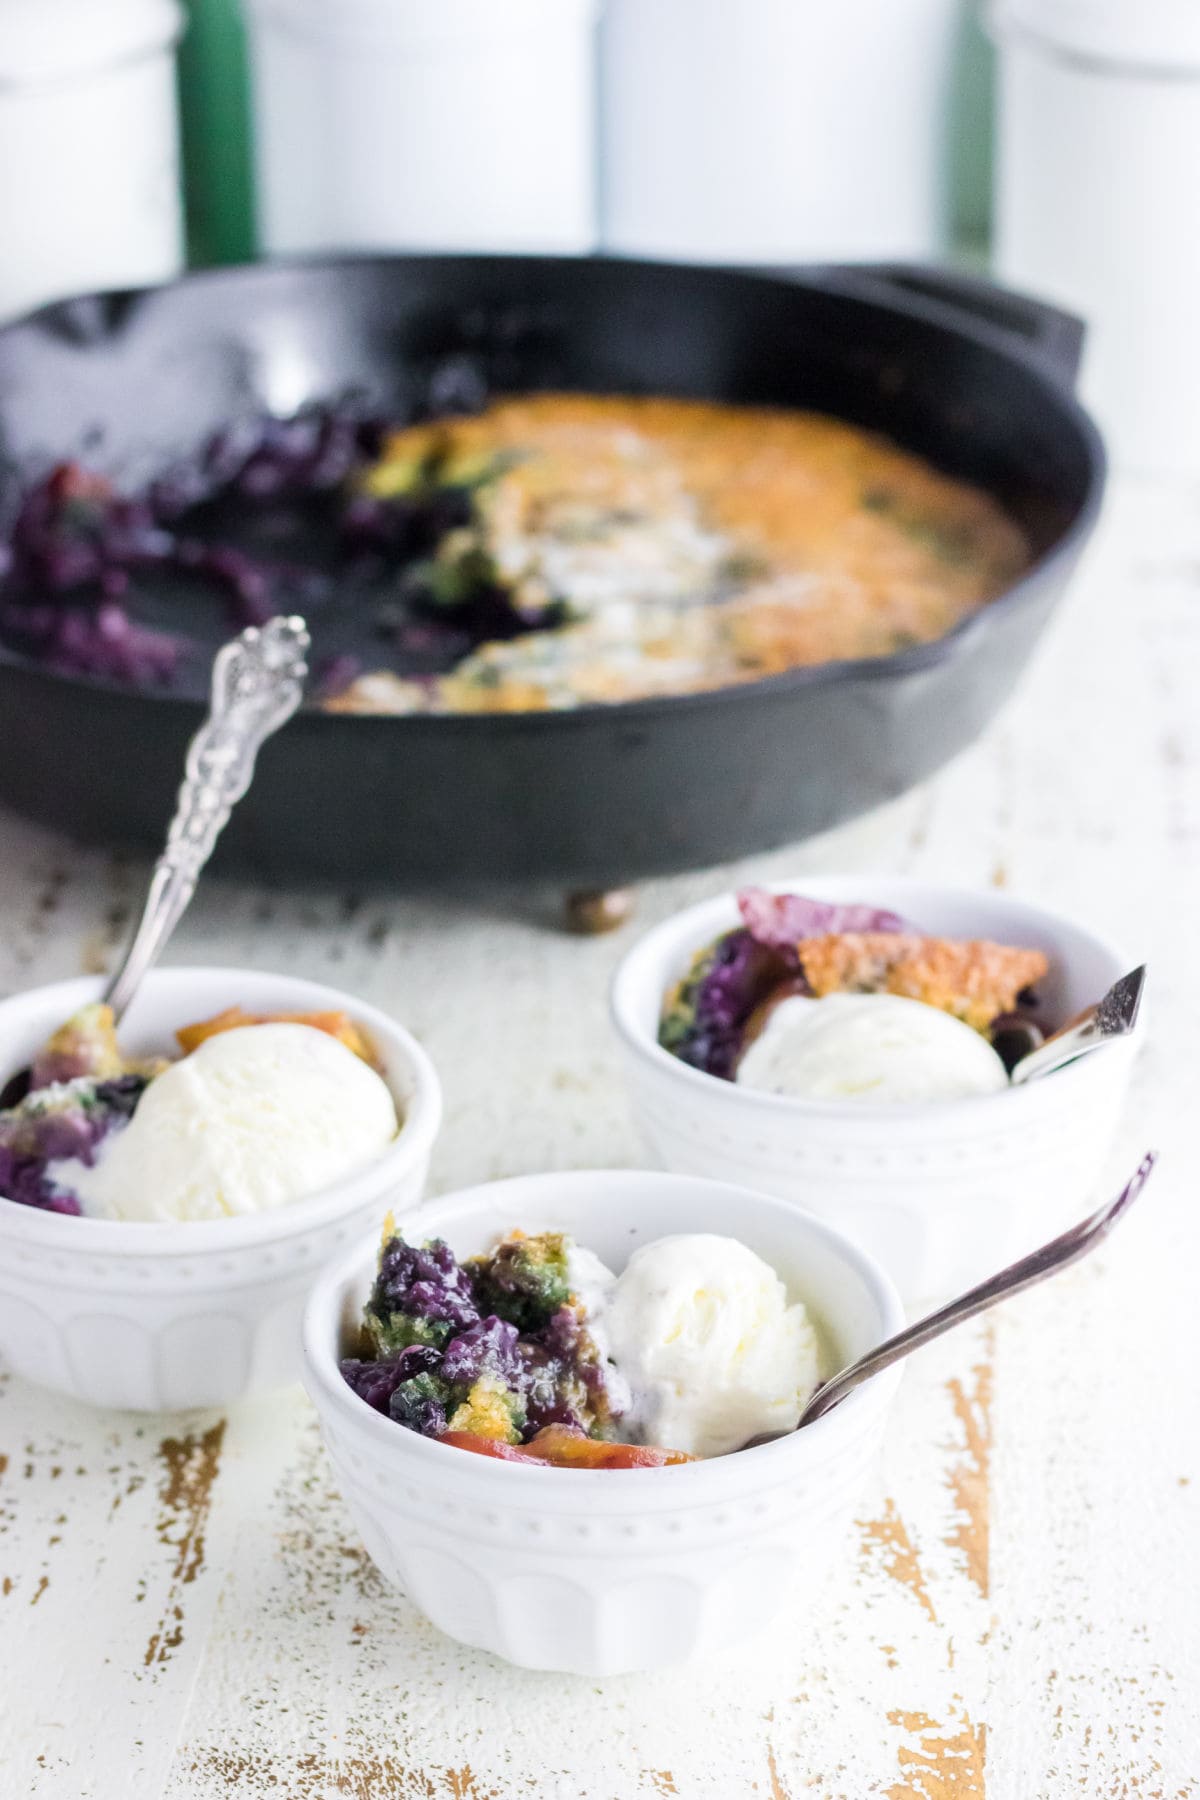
{"points": [[185, 1612]]}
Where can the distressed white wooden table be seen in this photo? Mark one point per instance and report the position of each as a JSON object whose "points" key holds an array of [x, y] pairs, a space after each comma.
{"points": [[185, 1611]]}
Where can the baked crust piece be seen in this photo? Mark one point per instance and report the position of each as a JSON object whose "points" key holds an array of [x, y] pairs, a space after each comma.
{"points": [[973, 979]]}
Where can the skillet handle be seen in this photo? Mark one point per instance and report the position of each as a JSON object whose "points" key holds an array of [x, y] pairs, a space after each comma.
{"points": [[1044, 334]]}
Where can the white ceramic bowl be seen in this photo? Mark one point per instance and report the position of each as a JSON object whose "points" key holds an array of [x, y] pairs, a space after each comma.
{"points": [[944, 1192], [158, 1316], [597, 1572]]}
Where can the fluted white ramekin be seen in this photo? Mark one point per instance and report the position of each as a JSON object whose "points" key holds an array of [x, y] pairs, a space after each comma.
{"points": [[158, 1316], [597, 1572], [942, 1192]]}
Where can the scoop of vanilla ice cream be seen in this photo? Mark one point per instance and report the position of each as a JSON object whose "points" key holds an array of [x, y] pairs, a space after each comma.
{"points": [[714, 1355], [869, 1047], [253, 1118]]}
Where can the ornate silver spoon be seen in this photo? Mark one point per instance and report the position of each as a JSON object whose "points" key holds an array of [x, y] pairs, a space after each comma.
{"points": [[1033, 1268], [257, 684]]}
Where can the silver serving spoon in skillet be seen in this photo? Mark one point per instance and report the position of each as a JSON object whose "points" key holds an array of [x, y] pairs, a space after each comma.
{"points": [[257, 684], [1111, 1017], [1031, 1269]]}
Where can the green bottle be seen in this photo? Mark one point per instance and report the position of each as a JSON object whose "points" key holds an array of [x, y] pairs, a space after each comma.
{"points": [[970, 142], [214, 94]]}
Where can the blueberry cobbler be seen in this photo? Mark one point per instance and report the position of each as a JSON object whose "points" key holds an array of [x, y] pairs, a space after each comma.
{"points": [[815, 1000], [258, 1110], [535, 1352], [547, 551], [65, 1123]]}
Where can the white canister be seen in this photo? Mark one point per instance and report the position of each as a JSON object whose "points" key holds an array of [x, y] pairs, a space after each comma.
{"points": [[1098, 159], [771, 131], [425, 124], [89, 157]]}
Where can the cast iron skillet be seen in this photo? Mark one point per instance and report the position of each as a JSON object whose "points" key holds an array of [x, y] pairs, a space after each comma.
{"points": [[972, 378]]}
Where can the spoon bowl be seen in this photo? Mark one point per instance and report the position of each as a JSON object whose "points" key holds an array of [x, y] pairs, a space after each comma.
{"points": [[1113, 1016]]}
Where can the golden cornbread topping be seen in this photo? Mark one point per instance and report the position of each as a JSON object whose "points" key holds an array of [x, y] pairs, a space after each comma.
{"points": [[671, 546], [974, 980]]}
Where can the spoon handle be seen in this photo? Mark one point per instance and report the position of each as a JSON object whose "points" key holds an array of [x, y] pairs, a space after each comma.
{"points": [[1019, 1275], [257, 684]]}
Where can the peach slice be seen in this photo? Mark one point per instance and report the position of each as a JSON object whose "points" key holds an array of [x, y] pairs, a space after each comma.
{"points": [[565, 1447], [338, 1025]]}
